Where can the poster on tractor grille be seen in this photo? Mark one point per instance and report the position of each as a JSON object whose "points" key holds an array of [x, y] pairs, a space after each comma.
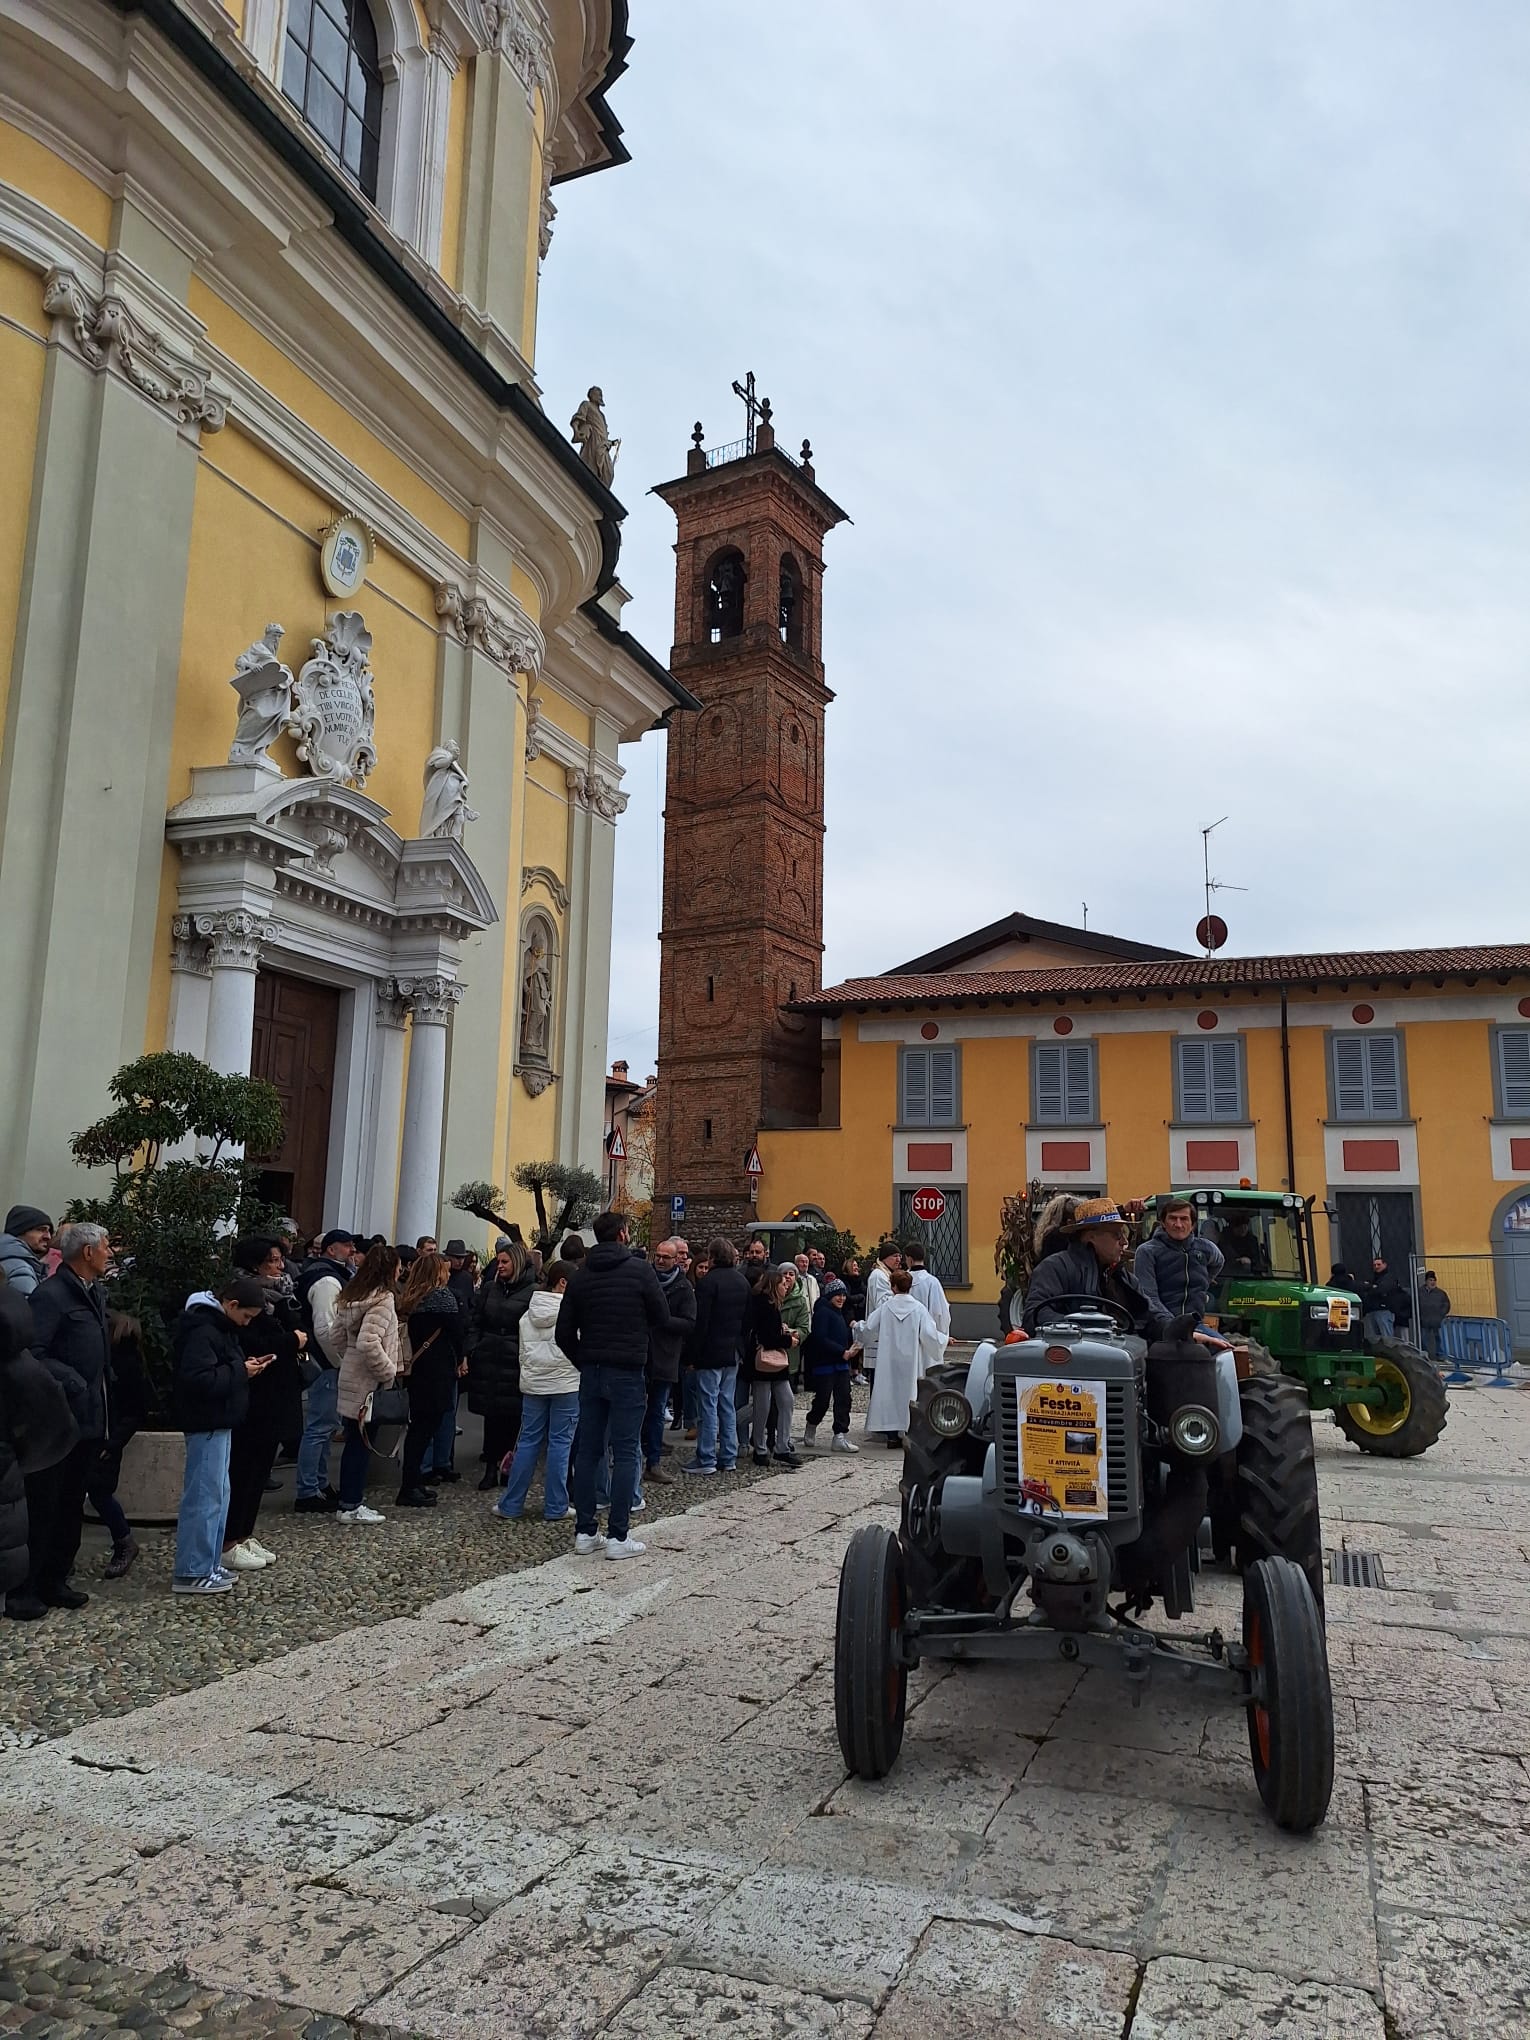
{"points": [[1063, 1466]]}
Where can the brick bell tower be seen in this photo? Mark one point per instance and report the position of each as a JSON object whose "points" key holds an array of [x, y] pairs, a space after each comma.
{"points": [[742, 931]]}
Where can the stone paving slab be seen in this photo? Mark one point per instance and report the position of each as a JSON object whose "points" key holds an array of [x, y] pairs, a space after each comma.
{"points": [[583, 1800]]}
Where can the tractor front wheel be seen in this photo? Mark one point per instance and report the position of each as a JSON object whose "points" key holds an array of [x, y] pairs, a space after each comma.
{"points": [[1277, 1489], [1413, 1415], [1290, 1713], [870, 1674], [932, 1577]]}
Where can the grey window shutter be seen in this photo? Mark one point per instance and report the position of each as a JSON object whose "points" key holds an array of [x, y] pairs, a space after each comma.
{"points": [[1385, 1076], [942, 1087], [1195, 1079], [1349, 1089], [1226, 1090], [1078, 1062], [1049, 1083], [1514, 1068], [916, 1087]]}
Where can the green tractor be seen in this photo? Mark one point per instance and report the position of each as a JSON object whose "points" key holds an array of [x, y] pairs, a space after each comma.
{"points": [[1386, 1396]]}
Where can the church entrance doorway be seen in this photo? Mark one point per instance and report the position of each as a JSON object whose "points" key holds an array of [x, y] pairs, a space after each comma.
{"points": [[297, 1026]]}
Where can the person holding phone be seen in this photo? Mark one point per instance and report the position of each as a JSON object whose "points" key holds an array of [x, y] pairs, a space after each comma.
{"points": [[275, 1400], [212, 1393]]}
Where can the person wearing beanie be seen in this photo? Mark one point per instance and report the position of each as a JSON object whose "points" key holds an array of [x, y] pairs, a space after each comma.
{"points": [[826, 1363], [23, 1247]]}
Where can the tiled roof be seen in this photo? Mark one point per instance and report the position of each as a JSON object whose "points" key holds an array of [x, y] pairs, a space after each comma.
{"points": [[1025, 927], [1197, 973]]}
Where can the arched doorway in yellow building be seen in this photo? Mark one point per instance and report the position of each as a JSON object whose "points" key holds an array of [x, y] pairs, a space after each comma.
{"points": [[1511, 1265]]}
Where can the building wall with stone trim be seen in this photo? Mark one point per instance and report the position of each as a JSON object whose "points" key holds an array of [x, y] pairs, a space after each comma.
{"points": [[198, 374]]}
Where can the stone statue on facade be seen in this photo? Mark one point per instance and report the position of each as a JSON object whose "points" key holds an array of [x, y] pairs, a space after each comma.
{"points": [[597, 449], [264, 686], [444, 810], [536, 1003], [334, 711]]}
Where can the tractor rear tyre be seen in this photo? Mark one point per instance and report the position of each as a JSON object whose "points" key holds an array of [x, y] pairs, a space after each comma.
{"points": [[1277, 1488], [1009, 1310], [870, 1675], [1414, 1414], [1290, 1717], [933, 1578]]}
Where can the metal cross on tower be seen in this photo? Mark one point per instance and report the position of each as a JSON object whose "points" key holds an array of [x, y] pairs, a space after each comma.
{"points": [[754, 407]]}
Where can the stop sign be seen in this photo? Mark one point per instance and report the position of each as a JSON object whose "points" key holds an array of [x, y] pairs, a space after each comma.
{"points": [[928, 1203]]}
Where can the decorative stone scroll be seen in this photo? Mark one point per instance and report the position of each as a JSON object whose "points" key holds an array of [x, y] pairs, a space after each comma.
{"points": [[593, 790], [431, 1000], [544, 876], [509, 641], [107, 335], [334, 711], [231, 941], [520, 31]]}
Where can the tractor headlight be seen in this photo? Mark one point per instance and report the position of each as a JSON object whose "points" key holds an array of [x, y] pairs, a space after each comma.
{"points": [[1195, 1431], [948, 1413]]}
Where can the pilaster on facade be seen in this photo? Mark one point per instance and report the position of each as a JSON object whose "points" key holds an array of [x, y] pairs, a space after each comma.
{"points": [[101, 329]]}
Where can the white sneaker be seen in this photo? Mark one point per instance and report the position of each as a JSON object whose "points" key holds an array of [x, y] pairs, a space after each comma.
{"points": [[625, 1547], [841, 1443], [360, 1514], [241, 1558], [810, 1437], [638, 1506], [587, 1543], [254, 1544]]}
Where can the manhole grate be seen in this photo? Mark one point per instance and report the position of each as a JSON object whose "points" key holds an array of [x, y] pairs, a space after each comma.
{"points": [[1356, 1569]]}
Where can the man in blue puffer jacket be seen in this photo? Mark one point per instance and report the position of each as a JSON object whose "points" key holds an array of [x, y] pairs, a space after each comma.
{"points": [[1176, 1267]]}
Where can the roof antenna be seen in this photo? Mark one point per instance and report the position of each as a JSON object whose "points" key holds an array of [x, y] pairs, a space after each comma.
{"points": [[1086, 917], [1211, 933]]}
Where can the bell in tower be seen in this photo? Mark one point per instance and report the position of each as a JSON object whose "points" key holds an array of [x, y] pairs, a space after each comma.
{"points": [[742, 933]]}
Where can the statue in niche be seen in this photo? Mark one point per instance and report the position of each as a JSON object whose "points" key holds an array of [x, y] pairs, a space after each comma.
{"points": [[597, 449], [444, 810], [536, 1000], [264, 686]]}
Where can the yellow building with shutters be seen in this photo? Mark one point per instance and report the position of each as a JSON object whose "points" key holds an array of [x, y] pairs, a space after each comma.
{"points": [[1393, 1088], [313, 672]]}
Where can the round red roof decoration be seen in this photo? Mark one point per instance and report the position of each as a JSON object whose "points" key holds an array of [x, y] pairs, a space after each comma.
{"points": [[929, 1030], [1362, 1015], [1524, 1007], [1063, 1025], [1206, 1020]]}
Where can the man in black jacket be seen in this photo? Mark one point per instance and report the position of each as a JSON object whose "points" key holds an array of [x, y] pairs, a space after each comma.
{"points": [[212, 1394], [666, 1351], [1387, 1306], [608, 1312], [36, 1433], [70, 1337]]}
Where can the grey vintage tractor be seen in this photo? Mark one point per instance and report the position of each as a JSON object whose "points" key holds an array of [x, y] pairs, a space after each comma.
{"points": [[1048, 1476]]}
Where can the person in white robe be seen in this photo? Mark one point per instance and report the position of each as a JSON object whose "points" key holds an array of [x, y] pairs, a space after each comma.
{"points": [[879, 1281], [904, 1342], [928, 1290]]}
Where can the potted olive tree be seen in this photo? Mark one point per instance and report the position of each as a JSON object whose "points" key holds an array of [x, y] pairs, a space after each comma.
{"points": [[176, 1141]]}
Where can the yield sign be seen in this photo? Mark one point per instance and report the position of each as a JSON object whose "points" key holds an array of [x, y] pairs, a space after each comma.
{"points": [[616, 1147], [753, 1166]]}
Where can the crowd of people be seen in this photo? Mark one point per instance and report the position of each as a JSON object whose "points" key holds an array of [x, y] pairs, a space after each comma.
{"points": [[592, 1365]]}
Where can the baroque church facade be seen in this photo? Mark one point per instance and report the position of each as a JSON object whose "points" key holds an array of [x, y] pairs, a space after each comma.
{"points": [[311, 655]]}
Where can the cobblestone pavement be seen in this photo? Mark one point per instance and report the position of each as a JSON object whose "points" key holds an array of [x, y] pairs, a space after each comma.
{"points": [[596, 1799], [136, 1642]]}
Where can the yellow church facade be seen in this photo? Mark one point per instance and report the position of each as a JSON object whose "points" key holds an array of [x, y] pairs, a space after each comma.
{"points": [[1392, 1088], [311, 663]]}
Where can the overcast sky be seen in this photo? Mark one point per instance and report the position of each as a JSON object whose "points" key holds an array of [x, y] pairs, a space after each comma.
{"points": [[1171, 359]]}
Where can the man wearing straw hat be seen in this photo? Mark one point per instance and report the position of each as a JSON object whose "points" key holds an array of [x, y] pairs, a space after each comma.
{"points": [[1082, 1245]]}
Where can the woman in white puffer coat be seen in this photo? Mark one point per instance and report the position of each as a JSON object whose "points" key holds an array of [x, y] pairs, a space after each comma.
{"points": [[367, 1340], [549, 1405]]}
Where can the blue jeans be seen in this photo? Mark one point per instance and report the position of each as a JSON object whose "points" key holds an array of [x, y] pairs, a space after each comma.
{"points": [[1380, 1324], [441, 1452], [612, 1401], [549, 1420], [716, 1417], [204, 1505], [655, 1421], [318, 1429], [603, 1484]]}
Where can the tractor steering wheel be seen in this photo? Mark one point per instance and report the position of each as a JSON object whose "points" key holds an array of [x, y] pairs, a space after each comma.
{"points": [[1123, 1317]]}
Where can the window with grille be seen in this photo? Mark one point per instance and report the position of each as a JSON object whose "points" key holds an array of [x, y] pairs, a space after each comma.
{"points": [[929, 1086], [1209, 1080], [331, 74], [1367, 1076], [1514, 1072], [1064, 1088]]}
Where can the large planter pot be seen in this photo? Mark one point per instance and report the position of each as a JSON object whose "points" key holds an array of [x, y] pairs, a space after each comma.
{"points": [[149, 1487]]}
